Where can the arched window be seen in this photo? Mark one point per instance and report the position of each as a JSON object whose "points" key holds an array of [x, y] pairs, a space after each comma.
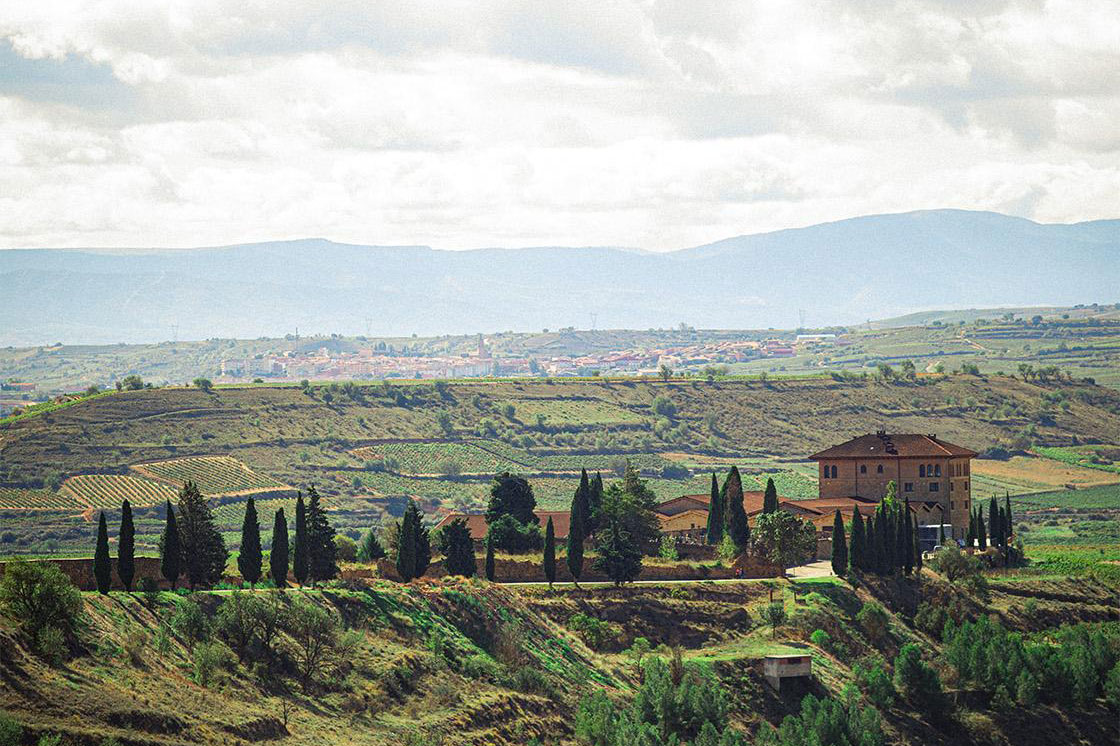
{"points": [[863, 468], [880, 469], [937, 470], [834, 472], [921, 470]]}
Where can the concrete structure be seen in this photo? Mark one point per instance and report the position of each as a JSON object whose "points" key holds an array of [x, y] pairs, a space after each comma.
{"points": [[925, 469], [786, 666]]}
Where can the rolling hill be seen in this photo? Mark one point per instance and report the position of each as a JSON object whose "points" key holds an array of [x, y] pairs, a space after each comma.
{"points": [[837, 273]]}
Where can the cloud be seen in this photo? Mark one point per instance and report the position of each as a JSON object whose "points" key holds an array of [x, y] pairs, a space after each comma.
{"points": [[491, 122]]}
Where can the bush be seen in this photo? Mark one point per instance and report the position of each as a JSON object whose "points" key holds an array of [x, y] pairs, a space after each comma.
{"points": [[874, 620], [189, 621], [347, 550], [11, 732], [207, 660], [596, 633], [871, 677], [50, 644], [917, 681], [39, 596], [511, 535], [821, 639], [775, 615], [479, 667]]}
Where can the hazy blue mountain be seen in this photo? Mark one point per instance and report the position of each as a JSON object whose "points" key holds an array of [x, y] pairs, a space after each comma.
{"points": [[838, 273]]}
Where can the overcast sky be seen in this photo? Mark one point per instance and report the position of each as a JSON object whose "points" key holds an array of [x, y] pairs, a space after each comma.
{"points": [[487, 123]]}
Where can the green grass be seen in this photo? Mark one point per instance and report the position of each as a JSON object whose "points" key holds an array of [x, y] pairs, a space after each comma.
{"points": [[213, 475], [1103, 497], [1086, 456]]}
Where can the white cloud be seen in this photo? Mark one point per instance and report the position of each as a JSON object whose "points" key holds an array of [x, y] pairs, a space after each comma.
{"points": [[656, 124]]}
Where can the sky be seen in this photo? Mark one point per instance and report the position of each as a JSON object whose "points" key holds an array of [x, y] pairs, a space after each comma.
{"points": [[650, 124]]}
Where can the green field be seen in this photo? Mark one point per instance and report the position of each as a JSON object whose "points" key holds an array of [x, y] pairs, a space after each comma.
{"points": [[1092, 498], [109, 490], [213, 475]]}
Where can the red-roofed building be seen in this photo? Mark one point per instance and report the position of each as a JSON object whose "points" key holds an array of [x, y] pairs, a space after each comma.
{"points": [[476, 522]]}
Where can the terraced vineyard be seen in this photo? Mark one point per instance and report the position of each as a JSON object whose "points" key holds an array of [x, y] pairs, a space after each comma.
{"points": [[108, 490], [15, 498], [214, 475], [427, 458]]}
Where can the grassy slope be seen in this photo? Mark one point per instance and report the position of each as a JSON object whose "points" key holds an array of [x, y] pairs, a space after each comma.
{"points": [[396, 685]]}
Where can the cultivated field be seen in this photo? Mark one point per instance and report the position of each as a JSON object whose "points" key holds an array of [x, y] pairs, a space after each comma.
{"points": [[108, 490], [214, 475]]}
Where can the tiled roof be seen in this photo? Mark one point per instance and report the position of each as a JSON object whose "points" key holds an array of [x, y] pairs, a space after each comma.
{"points": [[902, 445]]}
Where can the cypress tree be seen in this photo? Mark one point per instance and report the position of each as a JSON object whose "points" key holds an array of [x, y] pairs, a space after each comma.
{"points": [[970, 539], [423, 546], [916, 548], [996, 528], [249, 555], [715, 515], [458, 549], [770, 497], [170, 550], [204, 551], [738, 527], [102, 565], [126, 547], [583, 497], [883, 545], [595, 503], [406, 542], [981, 533], [575, 537], [299, 549], [870, 552], [908, 539], [1007, 516], [322, 552], [941, 530], [549, 553], [489, 558], [278, 557], [858, 549], [839, 546]]}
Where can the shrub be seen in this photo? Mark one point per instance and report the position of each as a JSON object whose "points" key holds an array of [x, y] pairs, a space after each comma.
{"points": [[873, 679], [514, 536], [874, 620], [821, 639], [775, 615], [207, 660], [480, 667], [189, 621], [39, 596], [917, 681], [346, 548], [50, 644], [596, 633], [11, 732], [668, 548]]}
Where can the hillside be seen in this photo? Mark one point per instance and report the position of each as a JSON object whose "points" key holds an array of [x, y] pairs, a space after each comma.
{"points": [[834, 273], [468, 662], [368, 447]]}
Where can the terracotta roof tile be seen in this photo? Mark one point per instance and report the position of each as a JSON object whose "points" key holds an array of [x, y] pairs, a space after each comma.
{"points": [[902, 445]]}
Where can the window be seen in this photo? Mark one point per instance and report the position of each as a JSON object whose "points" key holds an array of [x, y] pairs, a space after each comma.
{"points": [[879, 468], [908, 487], [952, 505], [967, 467], [834, 472], [952, 486], [934, 487], [966, 484], [922, 470], [937, 470], [863, 468]]}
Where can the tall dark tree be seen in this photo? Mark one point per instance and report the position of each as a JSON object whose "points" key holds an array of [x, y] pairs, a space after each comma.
{"points": [[170, 549], [458, 548], [489, 558], [970, 539], [423, 546], [249, 556], [908, 539], [839, 546], [715, 514], [278, 557], [322, 551], [857, 552], [738, 527], [981, 531], [300, 560], [995, 530], [204, 551], [595, 502], [883, 545], [941, 530], [770, 497], [1007, 516], [126, 547], [406, 542], [916, 549], [550, 553], [583, 497], [102, 565], [370, 550], [575, 537]]}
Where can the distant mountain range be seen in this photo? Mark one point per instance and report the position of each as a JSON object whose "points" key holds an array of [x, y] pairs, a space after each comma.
{"points": [[838, 273]]}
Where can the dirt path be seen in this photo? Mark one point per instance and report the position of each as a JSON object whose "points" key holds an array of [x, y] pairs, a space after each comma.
{"points": [[818, 569]]}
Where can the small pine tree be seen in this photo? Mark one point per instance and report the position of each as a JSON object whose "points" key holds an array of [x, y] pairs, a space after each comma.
{"points": [[489, 558], [322, 551], [575, 538], [299, 549], [770, 497], [126, 547], [278, 557], [550, 553], [715, 515], [102, 565], [858, 548], [737, 525], [839, 546], [249, 556], [170, 550], [370, 549]]}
